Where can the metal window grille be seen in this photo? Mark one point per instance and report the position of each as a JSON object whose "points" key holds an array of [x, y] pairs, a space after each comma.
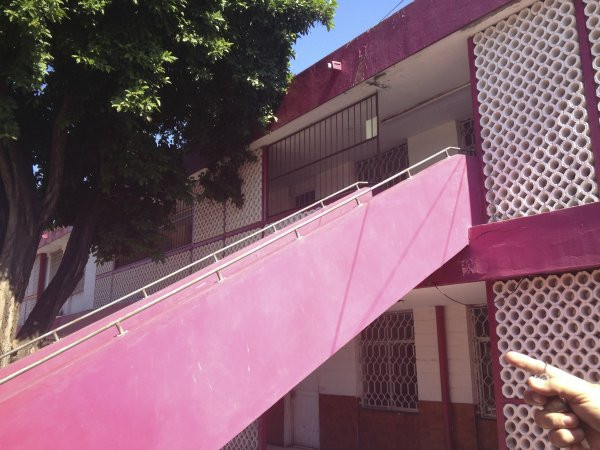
{"points": [[322, 156], [246, 440], [383, 165], [179, 236], [482, 356], [389, 366]]}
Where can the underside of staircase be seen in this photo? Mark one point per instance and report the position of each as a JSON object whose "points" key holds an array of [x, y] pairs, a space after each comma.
{"points": [[195, 369]]}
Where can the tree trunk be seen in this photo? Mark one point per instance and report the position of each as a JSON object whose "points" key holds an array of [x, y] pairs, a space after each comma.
{"points": [[23, 217], [70, 271], [19, 240]]}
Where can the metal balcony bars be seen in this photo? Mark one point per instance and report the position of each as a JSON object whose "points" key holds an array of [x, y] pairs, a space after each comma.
{"points": [[117, 323]]}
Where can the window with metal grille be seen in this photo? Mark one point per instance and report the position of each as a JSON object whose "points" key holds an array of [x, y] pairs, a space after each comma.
{"points": [[305, 199], [178, 236], [389, 366], [482, 362], [322, 156]]}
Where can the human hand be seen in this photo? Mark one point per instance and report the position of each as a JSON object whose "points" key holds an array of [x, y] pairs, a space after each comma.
{"points": [[567, 428]]}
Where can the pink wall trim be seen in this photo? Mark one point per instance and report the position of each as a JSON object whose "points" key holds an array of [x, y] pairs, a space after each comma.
{"points": [[415, 27], [42, 274], [52, 235], [199, 367], [558, 241], [496, 367], [589, 83], [440, 321], [478, 194]]}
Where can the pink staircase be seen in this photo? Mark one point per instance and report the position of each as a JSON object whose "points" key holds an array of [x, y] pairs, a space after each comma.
{"points": [[195, 369]]}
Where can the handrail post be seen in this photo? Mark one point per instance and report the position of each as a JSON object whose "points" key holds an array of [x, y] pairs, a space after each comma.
{"points": [[120, 329]]}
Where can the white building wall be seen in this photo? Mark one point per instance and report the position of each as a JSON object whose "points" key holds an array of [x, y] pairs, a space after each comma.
{"points": [[424, 144], [340, 374], [459, 355], [428, 367], [84, 300]]}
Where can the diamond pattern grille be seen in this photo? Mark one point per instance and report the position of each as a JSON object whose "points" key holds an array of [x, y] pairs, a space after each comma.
{"points": [[381, 166], [246, 440], [389, 369], [482, 361]]}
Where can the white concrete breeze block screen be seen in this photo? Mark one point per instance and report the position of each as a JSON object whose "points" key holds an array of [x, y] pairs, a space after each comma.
{"points": [[246, 440], [554, 318], [534, 126], [592, 13]]}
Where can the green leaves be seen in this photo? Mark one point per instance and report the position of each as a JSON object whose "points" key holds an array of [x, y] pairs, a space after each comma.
{"points": [[151, 82]]}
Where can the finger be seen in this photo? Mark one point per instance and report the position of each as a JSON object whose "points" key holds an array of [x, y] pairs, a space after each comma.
{"points": [[534, 399], [564, 387], [556, 404], [555, 420], [534, 366], [579, 446], [566, 438]]}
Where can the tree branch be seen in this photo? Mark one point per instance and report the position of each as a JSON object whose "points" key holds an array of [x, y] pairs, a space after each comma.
{"points": [[57, 161], [70, 271]]}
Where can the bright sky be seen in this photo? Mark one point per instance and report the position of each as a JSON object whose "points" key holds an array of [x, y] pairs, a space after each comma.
{"points": [[351, 19]]}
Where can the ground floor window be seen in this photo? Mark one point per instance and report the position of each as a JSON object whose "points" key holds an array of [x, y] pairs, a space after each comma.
{"points": [[482, 362], [389, 366]]}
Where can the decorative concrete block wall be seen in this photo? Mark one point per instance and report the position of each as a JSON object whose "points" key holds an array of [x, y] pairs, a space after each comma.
{"points": [[210, 220], [556, 319], [592, 13], [534, 125]]}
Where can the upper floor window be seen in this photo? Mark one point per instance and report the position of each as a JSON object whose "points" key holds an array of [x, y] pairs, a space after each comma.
{"points": [[178, 236], [389, 366], [322, 157]]}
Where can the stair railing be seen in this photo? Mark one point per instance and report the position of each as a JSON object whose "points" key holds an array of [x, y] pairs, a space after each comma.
{"points": [[218, 270]]}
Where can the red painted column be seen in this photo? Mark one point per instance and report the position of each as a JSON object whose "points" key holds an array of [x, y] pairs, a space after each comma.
{"points": [[262, 433], [589, 83], [496, 368], [477, 195], [42, 275], [440, 320]]}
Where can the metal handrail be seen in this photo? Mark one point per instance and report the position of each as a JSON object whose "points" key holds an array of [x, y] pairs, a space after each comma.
{"points": [[143, 290], [294, 229]]}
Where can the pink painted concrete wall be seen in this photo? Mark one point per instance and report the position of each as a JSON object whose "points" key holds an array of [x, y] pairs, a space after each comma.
{"points": [[194, 370], [555, 242]]}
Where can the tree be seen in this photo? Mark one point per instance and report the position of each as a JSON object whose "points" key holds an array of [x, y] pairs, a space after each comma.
{"points": [[99, 102]]}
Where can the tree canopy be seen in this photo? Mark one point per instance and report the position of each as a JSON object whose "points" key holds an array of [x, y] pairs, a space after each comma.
{"points": [[99, 102]]}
